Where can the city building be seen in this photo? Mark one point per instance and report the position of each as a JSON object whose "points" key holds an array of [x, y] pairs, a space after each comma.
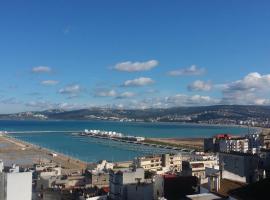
{"points": [[14, 184], [234, 144], [102, 165], [160, 163], [198, 156], [214, 177], [177, 187], [227, 143], [212, 144], [241, 167], [120, 179], [255, 142], [97, 178], [265, 162], [197, 168], [98, 174], [149, 189]]}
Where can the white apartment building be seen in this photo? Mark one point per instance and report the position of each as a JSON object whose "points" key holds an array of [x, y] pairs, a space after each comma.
{"points": [[234, 144], [15, 185]]}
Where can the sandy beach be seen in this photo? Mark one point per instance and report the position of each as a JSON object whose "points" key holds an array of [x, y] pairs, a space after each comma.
{"points": [[26, 154], [191, 143]]}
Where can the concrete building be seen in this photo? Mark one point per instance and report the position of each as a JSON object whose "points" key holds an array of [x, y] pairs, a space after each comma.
{"points": [[241, 167], [98, 174], [99, 179], [214, 176], [14, 184], [160, 163], [198, 156], [46, 182], [197, 168], [234, 144], [104, 165], [150, 189], [255, 142], [120, 179], [177, 187], [212, 144], [265, 162]]}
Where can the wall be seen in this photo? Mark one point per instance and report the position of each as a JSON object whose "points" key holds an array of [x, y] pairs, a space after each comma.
{"points": [[19, 186], [2, 185], [139, 191], [234, 177]]}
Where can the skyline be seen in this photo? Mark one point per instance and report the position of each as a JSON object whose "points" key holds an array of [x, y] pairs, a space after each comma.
{"points": [[133, 54]]}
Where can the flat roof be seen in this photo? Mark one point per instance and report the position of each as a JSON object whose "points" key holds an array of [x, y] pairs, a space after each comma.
{"points": [[227, 185], [204, 196]]}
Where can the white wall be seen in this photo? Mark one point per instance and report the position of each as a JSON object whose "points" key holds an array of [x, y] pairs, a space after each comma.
{"points": [[19, 186], [231, 176]]}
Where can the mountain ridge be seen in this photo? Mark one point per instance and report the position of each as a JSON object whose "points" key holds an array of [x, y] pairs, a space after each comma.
{"points": [[224, 114]]}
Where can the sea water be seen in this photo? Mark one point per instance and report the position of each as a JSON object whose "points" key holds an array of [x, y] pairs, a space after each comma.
{"points": [[92, 150]]}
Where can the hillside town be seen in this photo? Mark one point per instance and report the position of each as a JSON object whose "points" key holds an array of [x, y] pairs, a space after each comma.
{"points": [[243, 115], [227, 168]]}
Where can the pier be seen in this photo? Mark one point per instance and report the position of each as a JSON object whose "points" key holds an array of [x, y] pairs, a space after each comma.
{"points": [[139, 146]]}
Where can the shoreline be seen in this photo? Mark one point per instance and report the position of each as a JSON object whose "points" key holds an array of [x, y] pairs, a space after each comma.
{"points": [[135, 122], [68, 162]]}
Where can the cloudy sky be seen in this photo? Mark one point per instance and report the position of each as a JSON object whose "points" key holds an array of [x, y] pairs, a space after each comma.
{"points": [[133, 54]]}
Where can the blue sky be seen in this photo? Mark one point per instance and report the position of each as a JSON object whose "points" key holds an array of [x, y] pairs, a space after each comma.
{"points": [[133, 54]]}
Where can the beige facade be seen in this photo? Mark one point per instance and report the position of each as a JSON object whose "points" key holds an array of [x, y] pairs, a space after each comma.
{"points": [[197, 168], [165, 162]]}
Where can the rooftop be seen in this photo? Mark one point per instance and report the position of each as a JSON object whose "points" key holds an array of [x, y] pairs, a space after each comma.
{"points": [[258, 190], [205, 196], [227, 185], [238, 153]]}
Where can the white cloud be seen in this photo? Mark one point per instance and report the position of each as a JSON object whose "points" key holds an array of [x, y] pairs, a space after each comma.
{"points": [[251, 82], [71, 89], [41, 69], [72, 106], [113, 93], [193, 70], [170, 101], [105, 93], [200, 86], [45, 105], [252, 89], [262, 101], [39, 104], [194, 100], [142, 81], [49, 82], [129, 66]]}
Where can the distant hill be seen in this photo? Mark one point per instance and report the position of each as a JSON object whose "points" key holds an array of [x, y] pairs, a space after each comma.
{"points": [[223, 114]]}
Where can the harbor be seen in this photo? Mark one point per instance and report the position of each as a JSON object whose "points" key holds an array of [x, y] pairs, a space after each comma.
{"points": [[105, 138], [69, 138]]}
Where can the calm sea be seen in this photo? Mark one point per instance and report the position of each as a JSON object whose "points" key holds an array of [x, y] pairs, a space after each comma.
{"points": [[92, 150]]}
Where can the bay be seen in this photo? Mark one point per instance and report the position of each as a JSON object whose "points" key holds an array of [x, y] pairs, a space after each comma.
{"points": [[92, 150]]}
